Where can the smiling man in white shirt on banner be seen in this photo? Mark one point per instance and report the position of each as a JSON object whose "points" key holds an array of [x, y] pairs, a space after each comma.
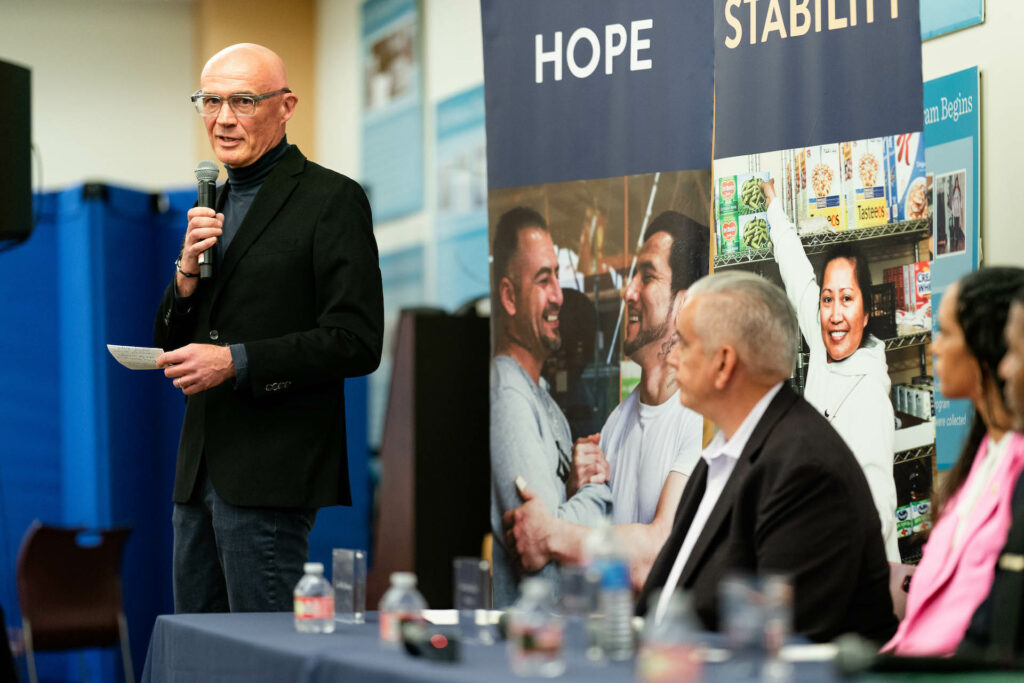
{"points": [[651, 442]]}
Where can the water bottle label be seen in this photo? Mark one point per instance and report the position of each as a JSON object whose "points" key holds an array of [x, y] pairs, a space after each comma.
{"points": [[614, 574], [314, 607], [668, 662], [389, 627], [539, 639]]}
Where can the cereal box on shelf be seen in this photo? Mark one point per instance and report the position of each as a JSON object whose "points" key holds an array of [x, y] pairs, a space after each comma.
{"points": [[803, 222], [865, 194], [846, 156], [922, 283], [787, 177], [908, 198], [897, 276], [824, 192], [913, 284]]}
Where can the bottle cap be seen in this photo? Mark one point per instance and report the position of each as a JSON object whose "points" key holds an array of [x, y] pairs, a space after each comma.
{"points": [[313, 568], [403, 579], [536, 588]]}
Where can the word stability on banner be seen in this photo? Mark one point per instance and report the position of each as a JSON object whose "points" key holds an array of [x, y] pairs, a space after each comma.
{"points": [[829, 15]]}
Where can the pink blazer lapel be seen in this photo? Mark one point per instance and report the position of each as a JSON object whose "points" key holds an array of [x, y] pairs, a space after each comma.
{"points": [[994, 495], [999, 489]]}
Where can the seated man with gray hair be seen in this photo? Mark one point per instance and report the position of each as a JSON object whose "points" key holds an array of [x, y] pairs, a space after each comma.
{"points": [[777, 490]]}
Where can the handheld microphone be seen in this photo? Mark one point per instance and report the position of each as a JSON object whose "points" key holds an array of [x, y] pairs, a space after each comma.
{"points": [[856, 656], [206, 174]]}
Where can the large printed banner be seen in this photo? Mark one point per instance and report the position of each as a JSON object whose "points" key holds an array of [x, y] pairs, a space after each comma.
{"points": [[598, 153], [820, 185]]}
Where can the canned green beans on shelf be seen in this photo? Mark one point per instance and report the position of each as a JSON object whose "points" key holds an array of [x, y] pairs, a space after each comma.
{"points": [[755, 234], [752, 195]]}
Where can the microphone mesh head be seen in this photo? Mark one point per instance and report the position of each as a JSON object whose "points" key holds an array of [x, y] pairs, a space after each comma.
{"points": [[206, 171]]}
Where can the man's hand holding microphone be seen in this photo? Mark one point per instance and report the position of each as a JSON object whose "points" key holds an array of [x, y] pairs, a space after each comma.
{"points": [[198, 367], [204, 227]]}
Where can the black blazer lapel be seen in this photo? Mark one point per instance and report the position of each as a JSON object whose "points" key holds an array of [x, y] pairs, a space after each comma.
{"points": [[275, 191], [719, 514], [778, 407]]}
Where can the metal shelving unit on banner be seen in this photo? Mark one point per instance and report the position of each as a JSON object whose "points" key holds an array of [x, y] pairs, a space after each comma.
{"points": [[914, 454], [904, 232]]}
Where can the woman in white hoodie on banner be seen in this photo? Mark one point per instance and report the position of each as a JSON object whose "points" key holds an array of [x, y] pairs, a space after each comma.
{"points": [[847, 376]]}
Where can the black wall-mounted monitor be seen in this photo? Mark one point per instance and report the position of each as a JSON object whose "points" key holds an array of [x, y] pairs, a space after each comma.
{"points": [[15, 152]]}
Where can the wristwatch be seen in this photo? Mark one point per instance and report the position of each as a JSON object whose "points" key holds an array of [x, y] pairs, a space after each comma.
{"points": [[177, 264]]}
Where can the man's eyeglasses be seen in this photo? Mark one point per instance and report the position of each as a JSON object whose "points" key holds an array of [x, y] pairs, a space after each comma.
{"points": [[242, 105]]}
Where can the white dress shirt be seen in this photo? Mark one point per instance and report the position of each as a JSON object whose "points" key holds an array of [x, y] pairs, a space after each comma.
{"points": [[721, 457]]}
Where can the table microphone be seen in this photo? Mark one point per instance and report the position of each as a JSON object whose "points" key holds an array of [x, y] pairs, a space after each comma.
{"points": [[206, 174], [856, 656]]}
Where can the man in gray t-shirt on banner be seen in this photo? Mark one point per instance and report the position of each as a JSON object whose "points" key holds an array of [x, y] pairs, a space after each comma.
{"points": [[530, 436]]}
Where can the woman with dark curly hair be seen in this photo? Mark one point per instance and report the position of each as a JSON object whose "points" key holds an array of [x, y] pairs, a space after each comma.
{"points": [[974, 511]]}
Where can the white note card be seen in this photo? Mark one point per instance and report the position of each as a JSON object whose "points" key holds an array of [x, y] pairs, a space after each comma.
{"points": [[135, 357]]}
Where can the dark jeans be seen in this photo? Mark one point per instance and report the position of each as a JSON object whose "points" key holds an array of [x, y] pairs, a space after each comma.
{"points": [[237, 559]]}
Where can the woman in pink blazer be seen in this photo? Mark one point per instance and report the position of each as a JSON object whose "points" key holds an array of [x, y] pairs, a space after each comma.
{"points": [[958, 563]]}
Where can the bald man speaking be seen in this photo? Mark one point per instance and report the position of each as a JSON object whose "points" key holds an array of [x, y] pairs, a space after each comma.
{"points": [[261, 350]]}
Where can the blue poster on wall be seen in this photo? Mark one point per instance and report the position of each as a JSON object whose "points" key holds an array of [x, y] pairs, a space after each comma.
{"points": [[392, 139], [461, 199], [951, 129], [945, 16]]}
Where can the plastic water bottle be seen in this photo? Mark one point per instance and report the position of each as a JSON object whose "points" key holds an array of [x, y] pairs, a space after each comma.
{"points": [[535, 632], [615, 603], [401, 603], [314, 601]]}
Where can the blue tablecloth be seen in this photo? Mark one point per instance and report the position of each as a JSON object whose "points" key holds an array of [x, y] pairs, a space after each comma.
{"points": [[266, 647]]}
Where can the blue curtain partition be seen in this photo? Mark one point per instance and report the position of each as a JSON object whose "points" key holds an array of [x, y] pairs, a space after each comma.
{"points": [[84, 441]]}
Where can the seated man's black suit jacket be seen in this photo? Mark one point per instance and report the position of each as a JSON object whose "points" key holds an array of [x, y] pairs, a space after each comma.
{"points": [[796, 503]]}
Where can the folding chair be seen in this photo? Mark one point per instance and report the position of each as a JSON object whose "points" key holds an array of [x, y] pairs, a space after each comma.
{"points": [[70, 593], [7, 672]]}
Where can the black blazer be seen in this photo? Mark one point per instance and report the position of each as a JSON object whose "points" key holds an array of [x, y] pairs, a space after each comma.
{"points": [[300, 286], [797, 503]]}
